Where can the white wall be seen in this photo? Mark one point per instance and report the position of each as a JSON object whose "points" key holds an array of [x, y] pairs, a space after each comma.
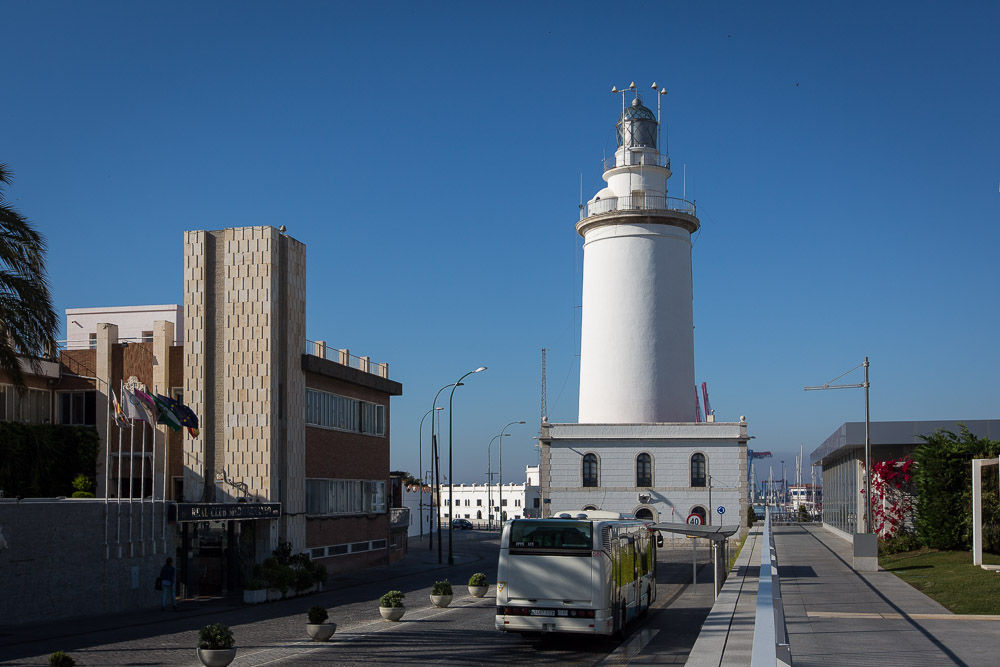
{"points": [[131, 321]]}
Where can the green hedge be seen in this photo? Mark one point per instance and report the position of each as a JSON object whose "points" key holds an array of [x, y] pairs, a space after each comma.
{"points": [[41, 461], [943, 482]]}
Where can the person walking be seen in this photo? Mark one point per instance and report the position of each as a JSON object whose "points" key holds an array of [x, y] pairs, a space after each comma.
{"points": [[168, 574]]}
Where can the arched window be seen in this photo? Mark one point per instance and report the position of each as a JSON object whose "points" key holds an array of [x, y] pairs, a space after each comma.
{"points": [[698, 472], [643, 470], [644, 513], [587, 508], [590, 470], [700, 511], [479, 514]]}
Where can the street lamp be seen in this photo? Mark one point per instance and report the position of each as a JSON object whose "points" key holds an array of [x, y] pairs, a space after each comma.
{"points": [[420, 467], [501, 472], [868, 441], [451, 479], [436, 466], [489, 480]]}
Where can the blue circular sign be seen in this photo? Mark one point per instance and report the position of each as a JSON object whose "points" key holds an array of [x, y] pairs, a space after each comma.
{"points": [[721, 510]]}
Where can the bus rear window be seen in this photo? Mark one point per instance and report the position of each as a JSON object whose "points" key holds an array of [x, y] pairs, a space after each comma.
{"points": [[551, 534]]}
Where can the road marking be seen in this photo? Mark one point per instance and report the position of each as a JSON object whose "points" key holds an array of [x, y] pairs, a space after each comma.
{"points": [[893, 616], [630, 649]]}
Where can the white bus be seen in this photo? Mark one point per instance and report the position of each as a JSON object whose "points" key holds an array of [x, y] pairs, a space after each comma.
{"points": [[590, 572]]}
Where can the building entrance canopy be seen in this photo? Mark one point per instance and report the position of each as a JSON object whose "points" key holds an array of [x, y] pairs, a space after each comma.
{"points": [[715, 533]]}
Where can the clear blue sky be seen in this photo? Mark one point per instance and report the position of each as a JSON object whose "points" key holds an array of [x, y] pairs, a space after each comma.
{"points": [[845, 159]]}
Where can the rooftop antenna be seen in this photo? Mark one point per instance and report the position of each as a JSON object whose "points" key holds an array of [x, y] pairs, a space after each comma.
{"points": [[660, 93]]}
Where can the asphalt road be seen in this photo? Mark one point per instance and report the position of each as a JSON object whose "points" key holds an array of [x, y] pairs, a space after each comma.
{"points": [[274, 633]]}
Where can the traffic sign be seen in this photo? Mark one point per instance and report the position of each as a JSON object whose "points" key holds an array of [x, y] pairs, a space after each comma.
{"points": [[721, 510], [694, 519]]}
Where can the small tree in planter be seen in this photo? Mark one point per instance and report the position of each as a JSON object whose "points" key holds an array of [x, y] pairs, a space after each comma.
{"points": [[215, 645], [478, 585], [391, 605], [317, 627], [441, 593]]}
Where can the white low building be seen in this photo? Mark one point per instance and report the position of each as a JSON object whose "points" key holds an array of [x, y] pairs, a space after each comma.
{"points": [[135, 324]]}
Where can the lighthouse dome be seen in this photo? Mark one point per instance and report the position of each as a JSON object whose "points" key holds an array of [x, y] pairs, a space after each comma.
{"points": [[637, 126]]}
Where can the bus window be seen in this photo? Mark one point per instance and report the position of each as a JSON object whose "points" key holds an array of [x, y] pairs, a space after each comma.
{"points": [[551, 535]]}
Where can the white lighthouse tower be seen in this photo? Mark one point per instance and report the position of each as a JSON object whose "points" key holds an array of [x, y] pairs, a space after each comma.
{"points": [[637, 338]]}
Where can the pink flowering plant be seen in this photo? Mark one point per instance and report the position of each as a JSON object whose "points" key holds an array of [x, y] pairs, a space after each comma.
{"points": [[892, 496]]}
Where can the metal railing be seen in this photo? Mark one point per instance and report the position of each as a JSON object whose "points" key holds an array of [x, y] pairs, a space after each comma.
{"points": [[770, 636], [637, 158], [644, 202], [345, 358]]}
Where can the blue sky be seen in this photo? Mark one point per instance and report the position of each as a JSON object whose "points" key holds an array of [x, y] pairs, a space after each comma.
{"points": [[845, 159]]}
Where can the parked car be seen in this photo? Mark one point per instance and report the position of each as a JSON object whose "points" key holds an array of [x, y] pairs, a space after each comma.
{"points": [[461, 524]]}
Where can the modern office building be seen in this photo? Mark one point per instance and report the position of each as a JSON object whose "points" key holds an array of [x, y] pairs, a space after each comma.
{"points": [[842, 457]]}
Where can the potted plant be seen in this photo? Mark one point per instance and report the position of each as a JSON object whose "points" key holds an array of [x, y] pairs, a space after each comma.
{"points": [[215, 645], [317, 627], [441, 593], [60, 659], [478, 586], [391, 605], [255, 592]]}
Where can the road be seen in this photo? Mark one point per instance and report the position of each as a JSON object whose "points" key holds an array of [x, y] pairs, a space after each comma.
{"points": [[274, 633]]}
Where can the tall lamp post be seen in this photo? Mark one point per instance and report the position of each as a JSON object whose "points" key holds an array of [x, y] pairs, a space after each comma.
{"points": [[868, 442], [501, 470], [436, 465], [489, 480], [451, 479], [420, 467]]}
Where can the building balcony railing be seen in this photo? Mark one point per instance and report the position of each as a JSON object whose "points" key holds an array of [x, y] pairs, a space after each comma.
{"points": [[345, 358], [399, 517], [640, 158], [643, 202]]}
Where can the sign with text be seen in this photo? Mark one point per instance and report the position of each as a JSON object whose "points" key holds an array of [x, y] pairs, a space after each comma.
{"points": [[227, 512]]}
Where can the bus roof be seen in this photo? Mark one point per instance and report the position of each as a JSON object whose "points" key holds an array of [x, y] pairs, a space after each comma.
{"points": [[592, 514]]}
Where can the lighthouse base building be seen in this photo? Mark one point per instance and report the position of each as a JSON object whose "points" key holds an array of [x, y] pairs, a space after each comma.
{"points": [[638, 447]]}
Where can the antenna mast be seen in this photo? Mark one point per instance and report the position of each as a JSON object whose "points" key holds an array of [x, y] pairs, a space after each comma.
{"points": [[545, 407]]}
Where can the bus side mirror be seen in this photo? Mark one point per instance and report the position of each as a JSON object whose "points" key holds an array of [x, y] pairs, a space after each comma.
{"points": [[659, 539]]}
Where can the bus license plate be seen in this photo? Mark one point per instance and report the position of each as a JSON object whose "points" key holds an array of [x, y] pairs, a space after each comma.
{"points": [[543, 612]]}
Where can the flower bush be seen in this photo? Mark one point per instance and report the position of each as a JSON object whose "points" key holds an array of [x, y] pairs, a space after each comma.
{"points": [[392, 599], [441, 588], [892, 497], [478, 579], [215, 637], [317, 615]]}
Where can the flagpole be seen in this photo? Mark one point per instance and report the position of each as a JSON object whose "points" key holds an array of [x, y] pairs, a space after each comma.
{"points": [[131, 483], [107, 479], [118, 537], [166, 469], [142, 487]]}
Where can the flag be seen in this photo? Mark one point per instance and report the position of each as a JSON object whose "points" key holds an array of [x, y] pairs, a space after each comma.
{"points": [[117, 413], [148, 406], [167, 415], [132, 406], [188, 418]]}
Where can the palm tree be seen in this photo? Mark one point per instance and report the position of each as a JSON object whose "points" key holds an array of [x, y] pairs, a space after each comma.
{"points": [[28, 322]]}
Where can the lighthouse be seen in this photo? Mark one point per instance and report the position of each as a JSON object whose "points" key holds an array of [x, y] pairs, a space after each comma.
{"points": [[637, 333]]}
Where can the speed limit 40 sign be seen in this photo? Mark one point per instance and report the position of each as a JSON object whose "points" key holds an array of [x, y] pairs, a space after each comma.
{"points": [[694, 519]]}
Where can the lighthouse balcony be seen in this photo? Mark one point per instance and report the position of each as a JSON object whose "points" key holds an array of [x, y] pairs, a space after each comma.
{"points": [[644, 202], [638, 157]]}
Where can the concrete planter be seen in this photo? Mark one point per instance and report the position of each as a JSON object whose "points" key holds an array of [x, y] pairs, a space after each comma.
{"points": [[441, 600], [478, 591], [273, 594], [220, 657], [255, 597], [321, 631], [392, 613]]}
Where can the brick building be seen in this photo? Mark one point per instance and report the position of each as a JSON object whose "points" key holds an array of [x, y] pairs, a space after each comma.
{"points": [[282, 418]]}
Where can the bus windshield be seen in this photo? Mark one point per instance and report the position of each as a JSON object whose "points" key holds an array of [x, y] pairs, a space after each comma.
{"points": [[551, 534]]}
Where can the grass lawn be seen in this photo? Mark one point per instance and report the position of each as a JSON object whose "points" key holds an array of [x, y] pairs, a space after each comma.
{"points": [[950, 578]]}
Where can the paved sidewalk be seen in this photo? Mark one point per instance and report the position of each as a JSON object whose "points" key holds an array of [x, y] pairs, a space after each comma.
{"points": [[836, 616], [19, 640]]}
